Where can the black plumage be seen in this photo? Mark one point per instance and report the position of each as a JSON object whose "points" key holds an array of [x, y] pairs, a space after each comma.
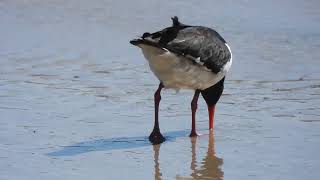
{"points": [[200, 44]]}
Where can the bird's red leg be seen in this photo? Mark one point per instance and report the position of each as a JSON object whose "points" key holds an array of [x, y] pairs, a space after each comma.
{"points": [[194, 105], [211, 110], [156, 136]]}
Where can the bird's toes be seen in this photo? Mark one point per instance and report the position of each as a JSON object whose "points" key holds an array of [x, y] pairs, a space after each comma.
{"points": [[156, 138], [193, 134]]}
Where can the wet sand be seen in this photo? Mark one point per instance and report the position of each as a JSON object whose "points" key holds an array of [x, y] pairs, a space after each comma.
{"points": [[76, 99]]}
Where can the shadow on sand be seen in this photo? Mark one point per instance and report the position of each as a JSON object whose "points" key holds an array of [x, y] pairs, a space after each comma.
{"points": [[114, 144], [210, 165]]}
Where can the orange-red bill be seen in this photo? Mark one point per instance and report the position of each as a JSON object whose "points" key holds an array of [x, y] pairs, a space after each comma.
{"points": [[211, 110]]}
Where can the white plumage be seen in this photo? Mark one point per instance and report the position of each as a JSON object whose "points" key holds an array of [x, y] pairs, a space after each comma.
{"points": [[177, 72]]}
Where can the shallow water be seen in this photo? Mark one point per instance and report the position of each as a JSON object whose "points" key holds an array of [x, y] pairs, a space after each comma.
{"points": [[76, 99]]}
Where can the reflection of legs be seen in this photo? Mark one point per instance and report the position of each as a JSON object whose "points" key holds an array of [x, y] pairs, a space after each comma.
{"points": [[194, 105], [211, 162], [193, 164], [156, 136], [211, 110], [157, 173]]}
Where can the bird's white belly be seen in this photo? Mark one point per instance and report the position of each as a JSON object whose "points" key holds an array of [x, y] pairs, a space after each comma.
{"points": [[176, 72]]}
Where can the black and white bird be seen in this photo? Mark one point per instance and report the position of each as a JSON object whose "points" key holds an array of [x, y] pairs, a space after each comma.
{"points": [[186, 57]]}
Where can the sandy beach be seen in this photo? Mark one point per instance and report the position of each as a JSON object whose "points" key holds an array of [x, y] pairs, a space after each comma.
{"points": [[76, 99]]}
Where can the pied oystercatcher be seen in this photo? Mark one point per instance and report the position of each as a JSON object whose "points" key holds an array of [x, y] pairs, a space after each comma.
{"points": [[188, 57]]}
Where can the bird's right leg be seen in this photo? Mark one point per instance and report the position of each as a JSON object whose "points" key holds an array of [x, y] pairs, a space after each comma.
{"points": [[156, 136]]}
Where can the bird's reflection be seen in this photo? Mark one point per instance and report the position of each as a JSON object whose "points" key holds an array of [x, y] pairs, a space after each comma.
{"points": [[209, 168], [210, 165], [157, 173]]}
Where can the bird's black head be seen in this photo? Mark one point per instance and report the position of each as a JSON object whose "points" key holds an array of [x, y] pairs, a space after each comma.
{"points": [[212, 94]]}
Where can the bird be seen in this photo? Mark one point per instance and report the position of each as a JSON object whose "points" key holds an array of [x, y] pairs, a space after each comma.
{"points": [[185, 56]]}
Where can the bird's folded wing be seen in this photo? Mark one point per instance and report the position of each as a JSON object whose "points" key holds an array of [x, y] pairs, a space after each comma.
{"points": [[204, 45]]}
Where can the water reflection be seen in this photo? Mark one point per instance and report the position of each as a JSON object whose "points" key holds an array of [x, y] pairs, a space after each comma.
{"points": [[210, 166], [157, 173]]}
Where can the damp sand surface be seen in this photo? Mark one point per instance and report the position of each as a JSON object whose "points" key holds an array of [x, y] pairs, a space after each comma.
{"points": [[76, 99]]}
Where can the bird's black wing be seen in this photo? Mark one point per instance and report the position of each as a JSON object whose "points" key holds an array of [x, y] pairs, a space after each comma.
{"points": [[203, 44], [200, 44]]}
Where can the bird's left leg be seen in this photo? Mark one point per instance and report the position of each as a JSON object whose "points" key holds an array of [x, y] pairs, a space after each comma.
{"points": [[194, 105]]}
